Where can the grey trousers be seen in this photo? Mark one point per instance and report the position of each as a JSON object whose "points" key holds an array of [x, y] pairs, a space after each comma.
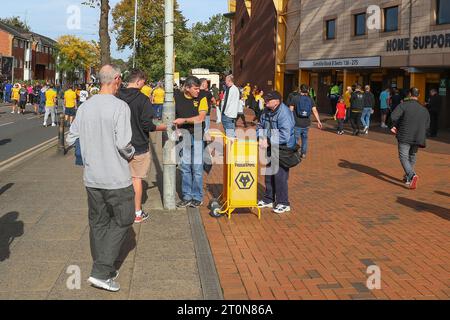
{"points": [[50, 111], [408, 157], [111, 214]]}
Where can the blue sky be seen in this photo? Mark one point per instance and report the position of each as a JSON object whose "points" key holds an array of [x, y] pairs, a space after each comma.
{"points": [[49, 17]]}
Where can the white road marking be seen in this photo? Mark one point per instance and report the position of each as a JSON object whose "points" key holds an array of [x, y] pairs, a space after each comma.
{"points": [[33, 117], [5, 124]]}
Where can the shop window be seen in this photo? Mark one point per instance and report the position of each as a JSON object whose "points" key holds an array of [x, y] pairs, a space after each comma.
{"points": [[391, 19], [442, 12], [331, 29], [360, 24]]}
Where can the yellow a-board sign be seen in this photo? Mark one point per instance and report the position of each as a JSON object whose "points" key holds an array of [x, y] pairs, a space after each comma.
{"points": [[243, 174]]}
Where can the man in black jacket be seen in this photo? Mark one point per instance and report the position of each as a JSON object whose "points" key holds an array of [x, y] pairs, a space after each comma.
{"points": [[434, 107], [410, 123], [369, 105], [356, 108], [142, 124]]}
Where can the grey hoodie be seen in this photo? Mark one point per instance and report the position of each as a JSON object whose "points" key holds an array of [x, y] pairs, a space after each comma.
{"points": [[103, 126]]}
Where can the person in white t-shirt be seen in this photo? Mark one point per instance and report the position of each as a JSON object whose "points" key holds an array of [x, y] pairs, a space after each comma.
{"points": [[241, 114], [84, 95]]}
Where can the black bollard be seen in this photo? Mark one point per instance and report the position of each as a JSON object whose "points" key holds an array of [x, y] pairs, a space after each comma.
{"points": [[61, 143]]}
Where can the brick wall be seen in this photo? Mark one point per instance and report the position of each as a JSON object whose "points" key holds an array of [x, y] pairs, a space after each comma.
{"points": [[313, 45], [5, 44], [254, 44]]}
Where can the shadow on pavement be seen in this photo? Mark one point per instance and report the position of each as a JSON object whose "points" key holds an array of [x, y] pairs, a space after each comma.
{"points": [[420, 206], [5, 188], [442, 193], [159, 171], [216, 189], [145, 188], [10, 229], [4, 141], [370, 171]]}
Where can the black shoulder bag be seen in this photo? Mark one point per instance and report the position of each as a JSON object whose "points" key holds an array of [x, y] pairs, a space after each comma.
{"points": [[287, 157]]}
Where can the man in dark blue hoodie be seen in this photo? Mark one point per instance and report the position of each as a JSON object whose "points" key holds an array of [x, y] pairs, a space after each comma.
{"points": [[8, 90], [142, 116]]}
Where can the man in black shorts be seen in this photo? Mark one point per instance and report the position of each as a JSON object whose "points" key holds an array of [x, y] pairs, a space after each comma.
{"points": [[36, 95]]}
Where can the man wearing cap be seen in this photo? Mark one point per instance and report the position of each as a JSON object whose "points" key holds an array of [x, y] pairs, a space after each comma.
{"points": [[276, 128], [410, 122]]}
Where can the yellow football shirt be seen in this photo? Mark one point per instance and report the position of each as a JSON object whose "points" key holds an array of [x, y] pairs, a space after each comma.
{"points": [[15, 93], [246, 92], [158, 96], [147, 90], [71, 98], [203, 105], [50, 96]]}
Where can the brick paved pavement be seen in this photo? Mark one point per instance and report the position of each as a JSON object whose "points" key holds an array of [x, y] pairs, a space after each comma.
{"points": [[350, 211]]}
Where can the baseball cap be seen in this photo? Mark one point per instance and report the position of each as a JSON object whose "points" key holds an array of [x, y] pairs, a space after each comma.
{"points": [[273, 95]]}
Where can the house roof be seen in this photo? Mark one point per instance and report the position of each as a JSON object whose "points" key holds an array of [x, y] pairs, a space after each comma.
{"points": [[16, 32], [45, 40], [27, 35]]}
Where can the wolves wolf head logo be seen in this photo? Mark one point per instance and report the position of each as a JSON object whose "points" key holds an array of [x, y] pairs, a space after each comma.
{"points": [[244, 180]]}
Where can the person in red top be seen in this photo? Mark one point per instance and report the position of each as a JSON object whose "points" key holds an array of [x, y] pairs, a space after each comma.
{"points": [[340, 114]]}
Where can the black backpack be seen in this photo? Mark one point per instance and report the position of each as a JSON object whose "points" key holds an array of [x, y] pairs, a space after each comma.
{"points": [[304, 106]]}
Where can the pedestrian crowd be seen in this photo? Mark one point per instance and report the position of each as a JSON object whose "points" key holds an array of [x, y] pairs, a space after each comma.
{"points": [[111, 132]]}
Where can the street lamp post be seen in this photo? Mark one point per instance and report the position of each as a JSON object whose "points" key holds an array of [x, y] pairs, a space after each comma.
{"points": [[135, 30], [169, 158]]}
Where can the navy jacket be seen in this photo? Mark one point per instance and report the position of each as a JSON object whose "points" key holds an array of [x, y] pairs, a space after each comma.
{"points": [[282, 123]]}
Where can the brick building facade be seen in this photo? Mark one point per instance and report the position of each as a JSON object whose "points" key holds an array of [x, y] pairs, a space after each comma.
{"points": [[26, 55], [384, 43]]}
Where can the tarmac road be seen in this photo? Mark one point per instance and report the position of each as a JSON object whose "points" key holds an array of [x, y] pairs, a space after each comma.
{"points": [[19, 133]]}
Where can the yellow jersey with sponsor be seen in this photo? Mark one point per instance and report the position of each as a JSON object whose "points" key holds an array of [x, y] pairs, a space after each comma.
{"points": [[15, 94]]}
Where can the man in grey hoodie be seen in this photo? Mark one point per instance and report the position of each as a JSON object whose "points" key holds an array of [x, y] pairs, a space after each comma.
{"points": [[103, 128]]}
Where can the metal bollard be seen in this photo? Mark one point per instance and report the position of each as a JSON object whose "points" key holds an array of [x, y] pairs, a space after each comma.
{"points": [[61, 143]]}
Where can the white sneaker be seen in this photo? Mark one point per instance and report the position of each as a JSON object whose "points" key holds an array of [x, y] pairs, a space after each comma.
{"points": [[18, 112], [12, 112], [53, 124], [109, 285], [262, 204], [281, 208]]}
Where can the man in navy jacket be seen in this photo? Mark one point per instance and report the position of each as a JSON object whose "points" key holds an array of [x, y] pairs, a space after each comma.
{"points": [[276, 128]]}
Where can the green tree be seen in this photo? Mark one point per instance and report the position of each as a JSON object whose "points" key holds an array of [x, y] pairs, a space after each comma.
{"points": [[16, 22], [76, 54], [208, 46], [105, 39], [150, 33], [123, 65]]}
